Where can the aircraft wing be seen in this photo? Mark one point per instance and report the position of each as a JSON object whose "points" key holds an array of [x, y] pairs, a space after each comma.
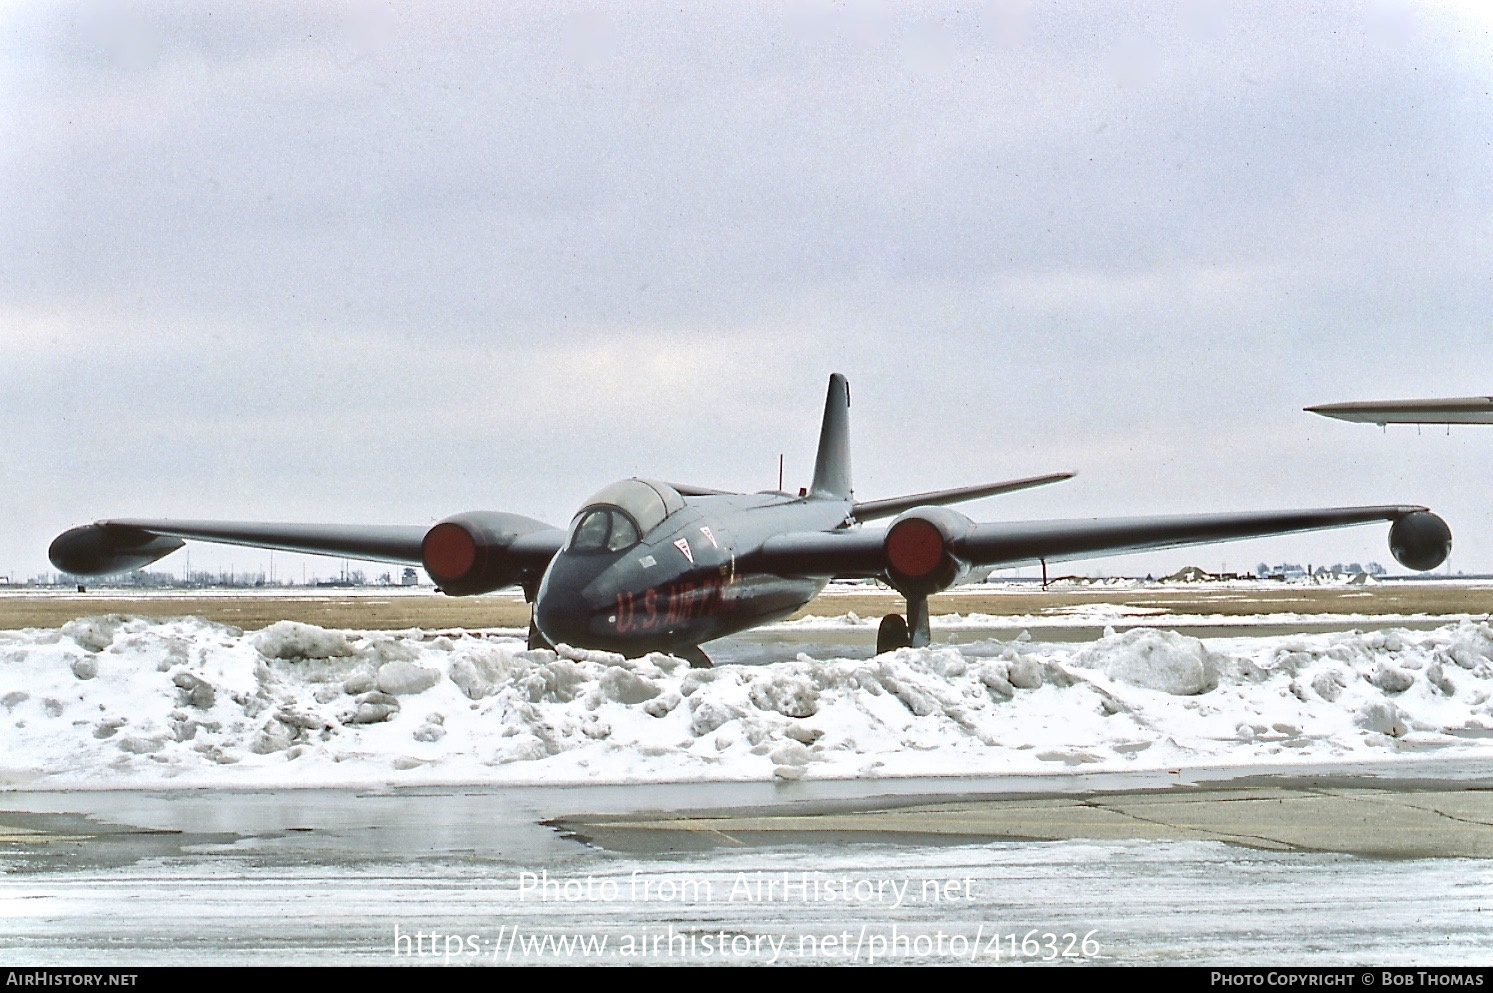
{"points": [[1457, 410], [866, 553], [479, 549], [1057, 541], [374, 542]]}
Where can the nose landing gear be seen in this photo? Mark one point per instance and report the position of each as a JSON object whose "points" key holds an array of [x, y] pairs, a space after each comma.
{"points": [[696, 657], [537, 640]]}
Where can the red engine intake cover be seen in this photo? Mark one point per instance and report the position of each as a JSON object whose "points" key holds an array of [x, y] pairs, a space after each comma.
{"points": [[921, 549], [471, 553], [449, 552], [914, 547]]}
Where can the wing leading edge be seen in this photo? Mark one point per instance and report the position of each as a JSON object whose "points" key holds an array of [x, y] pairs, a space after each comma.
{"points": [[496, 546], [1058, 541], [865, 554], [397, 543]]}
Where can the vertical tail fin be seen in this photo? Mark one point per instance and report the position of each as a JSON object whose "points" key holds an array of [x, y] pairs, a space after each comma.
{"points": [[832, 464]]}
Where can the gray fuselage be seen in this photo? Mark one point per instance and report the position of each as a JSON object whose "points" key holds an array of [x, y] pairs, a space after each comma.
{"points": [[656, 596]]}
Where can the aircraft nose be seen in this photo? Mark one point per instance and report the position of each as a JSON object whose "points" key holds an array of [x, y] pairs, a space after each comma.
{"points": [[564, 613]]}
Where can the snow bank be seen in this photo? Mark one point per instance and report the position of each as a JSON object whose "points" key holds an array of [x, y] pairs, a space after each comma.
{"points": [[123, 701], [1155, 660]]}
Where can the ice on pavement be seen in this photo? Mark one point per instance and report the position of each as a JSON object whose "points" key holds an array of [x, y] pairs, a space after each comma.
{"points": [[1102, 613], [134, 702]]}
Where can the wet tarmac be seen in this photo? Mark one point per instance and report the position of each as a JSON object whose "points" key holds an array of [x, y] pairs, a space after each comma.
{"points": [[1222, 867], [1391, 820]]}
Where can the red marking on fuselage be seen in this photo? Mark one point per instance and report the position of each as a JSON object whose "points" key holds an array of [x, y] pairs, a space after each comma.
{"points": [[683, 601]]}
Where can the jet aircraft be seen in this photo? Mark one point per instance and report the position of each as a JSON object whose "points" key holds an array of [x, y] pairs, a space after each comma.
{"points": [[652, 566]]}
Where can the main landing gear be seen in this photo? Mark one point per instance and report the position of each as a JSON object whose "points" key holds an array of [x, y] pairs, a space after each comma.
{"points": [[913, 632]]}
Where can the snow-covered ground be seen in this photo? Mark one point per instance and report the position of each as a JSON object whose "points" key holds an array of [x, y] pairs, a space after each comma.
{"points": [[134, 702]]}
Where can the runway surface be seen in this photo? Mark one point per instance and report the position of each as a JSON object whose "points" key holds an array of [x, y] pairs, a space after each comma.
{"points": [[1319, 869]]}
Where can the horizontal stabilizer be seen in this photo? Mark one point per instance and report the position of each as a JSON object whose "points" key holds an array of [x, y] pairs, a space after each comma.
{"points": [[700, 491], [872, 510]]}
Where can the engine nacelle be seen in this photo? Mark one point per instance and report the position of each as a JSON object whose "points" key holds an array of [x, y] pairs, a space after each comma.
{"points": [[467, 554], [1420, 541], [919, 550], [106, 550]]}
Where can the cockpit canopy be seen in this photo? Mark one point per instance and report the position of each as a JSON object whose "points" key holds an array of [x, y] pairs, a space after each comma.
{"points": [[620, 515]]}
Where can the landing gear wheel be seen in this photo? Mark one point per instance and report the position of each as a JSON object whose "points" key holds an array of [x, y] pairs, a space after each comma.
{"points": [[892, 634]]}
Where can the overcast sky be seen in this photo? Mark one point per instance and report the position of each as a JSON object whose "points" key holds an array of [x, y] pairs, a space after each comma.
{"points": [[383, 263]]}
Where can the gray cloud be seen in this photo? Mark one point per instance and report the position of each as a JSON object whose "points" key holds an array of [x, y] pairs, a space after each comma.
{"points": [[323, 262]]}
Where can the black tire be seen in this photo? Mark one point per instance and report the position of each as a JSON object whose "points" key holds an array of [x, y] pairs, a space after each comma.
{"points": [[892, 634]]}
